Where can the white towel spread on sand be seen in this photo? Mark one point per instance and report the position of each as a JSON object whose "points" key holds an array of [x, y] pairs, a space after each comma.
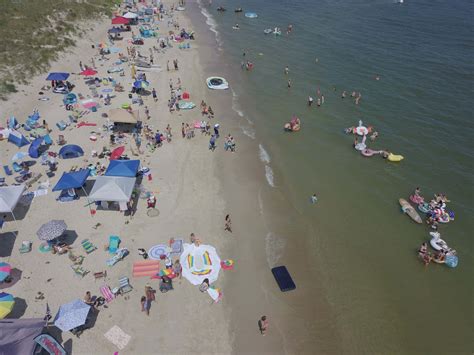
{"points": [[117, 337]]}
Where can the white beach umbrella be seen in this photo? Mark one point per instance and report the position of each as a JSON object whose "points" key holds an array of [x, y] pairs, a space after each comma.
{"points": [[199, 263]]}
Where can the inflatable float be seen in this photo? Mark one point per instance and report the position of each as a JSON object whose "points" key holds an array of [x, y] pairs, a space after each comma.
{"points": [[186, 105], [235, 27], [239, 9], [217, 83], [424, 207], [367, 152], [417, 199], [277, 32], [360, 146], [439, 244], [409, 210], [361, 131], [451, 261], [394, 158], [267, 31], [251, 15]]}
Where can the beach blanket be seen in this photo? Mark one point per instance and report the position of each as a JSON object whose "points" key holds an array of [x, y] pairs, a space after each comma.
{"points": [[85, 124], [146, 268], [117, 337]]}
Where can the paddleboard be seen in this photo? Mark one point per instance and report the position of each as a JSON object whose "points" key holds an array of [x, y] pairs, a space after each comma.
{"points": [[410, 211]]}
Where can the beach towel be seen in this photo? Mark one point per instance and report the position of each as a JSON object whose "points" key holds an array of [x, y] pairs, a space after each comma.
{"points": [[146, 268], [117, 337], [176, 247], [107, 293]]}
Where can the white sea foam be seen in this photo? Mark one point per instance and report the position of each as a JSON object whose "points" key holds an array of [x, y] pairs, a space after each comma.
{"points": [[274, 247], [212, 24], [263, 154], [248, 131], [269, 175]]}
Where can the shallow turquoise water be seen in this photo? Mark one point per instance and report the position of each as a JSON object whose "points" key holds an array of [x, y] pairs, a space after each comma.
{"points": [[384, 299]]}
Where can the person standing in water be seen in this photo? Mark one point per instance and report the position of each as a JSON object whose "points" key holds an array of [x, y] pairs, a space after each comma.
{"points": [[289, 83], [287, 70], [310, 101]]}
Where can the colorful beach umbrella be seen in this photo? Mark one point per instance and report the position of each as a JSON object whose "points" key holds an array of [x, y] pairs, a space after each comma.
{"points": [[117, 153], [71, 315], [6, 304], [89, 72], [51, 230], [141, 84], [5, 270]]}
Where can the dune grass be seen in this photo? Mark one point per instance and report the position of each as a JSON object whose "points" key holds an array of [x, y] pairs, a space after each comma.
{"points": [[35, 32]]}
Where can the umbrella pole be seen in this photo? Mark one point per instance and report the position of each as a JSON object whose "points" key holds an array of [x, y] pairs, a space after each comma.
{"points": [[88, 202]]}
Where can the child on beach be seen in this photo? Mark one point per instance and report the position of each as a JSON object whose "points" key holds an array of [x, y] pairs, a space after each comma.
{"points": [[263, 325]]}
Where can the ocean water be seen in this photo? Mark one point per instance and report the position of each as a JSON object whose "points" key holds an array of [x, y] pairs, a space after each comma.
{"points": [[384, 300]]}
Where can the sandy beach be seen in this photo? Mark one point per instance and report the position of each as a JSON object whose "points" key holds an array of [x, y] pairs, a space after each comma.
{"points": [[195, 188]]}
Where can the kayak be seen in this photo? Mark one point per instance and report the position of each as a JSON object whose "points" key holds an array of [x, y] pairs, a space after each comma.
{"points": [[409, 210], [394, 157], [369, 152]]}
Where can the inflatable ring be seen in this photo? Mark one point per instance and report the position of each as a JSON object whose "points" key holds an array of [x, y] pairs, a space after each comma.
{"points": [[126, 106]]}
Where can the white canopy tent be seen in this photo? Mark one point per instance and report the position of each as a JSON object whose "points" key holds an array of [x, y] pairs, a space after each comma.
{"points": [[9, 197], [113, 189], [130, 15]]}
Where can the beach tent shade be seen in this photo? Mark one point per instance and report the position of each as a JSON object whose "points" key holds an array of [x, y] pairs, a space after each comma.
{"points": [[112, 188], [120, 21], [72, 180], [130, 15], [33, 150], [127, 168], [17, 138], [18, 335], [120, 115], [57, 76], [70, 151], [9, 197]]}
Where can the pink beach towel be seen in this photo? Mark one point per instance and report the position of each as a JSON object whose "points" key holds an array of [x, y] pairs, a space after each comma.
{"points": [[107, 293]]}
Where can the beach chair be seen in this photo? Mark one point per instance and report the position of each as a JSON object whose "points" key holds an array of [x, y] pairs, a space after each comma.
{"points": [[47, 140], [61, 140], [124, 285], [88, 246], [79, 270], [121, 253], [16, 167], [77, 260], [114, 242], [100, 275], [107, 293], [176, 246], [7, 170], [61, 125], [25, 247]]}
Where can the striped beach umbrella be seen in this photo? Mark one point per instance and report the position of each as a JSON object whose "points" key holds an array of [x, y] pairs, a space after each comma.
{"points": [[51, 230], [6, 304], [5, 270]]}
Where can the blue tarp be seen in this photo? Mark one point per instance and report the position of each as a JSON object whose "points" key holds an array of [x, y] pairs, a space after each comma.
{"points": [[72, 180], [127, 168], [57, 76], [70, 151], [34, 148], [18, 139]]}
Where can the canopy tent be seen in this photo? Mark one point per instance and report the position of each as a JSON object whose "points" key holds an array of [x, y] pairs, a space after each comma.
{"points": [[17, 138], [127, 168], [57, 76], [120, 21], [112, 188], [34, 149], [70, 151], [130, 15], [18, 335], [72, 180], [120, 115], [199, 263], [9, 197]]}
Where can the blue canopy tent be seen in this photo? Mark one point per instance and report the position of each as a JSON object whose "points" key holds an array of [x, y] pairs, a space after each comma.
{"points": [[70, 151], [126, 168], [34, 149], [72, 180], [58, 76], [18, 139]]}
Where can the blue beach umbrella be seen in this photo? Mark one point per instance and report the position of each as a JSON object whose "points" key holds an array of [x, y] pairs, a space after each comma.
{"points": [[71, 315], [141, 84]]}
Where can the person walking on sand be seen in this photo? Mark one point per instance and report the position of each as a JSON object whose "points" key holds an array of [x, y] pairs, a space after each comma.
{"points": [[155, 96], [228, 224], [168, 65], [145, 305], [263, 325]]}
